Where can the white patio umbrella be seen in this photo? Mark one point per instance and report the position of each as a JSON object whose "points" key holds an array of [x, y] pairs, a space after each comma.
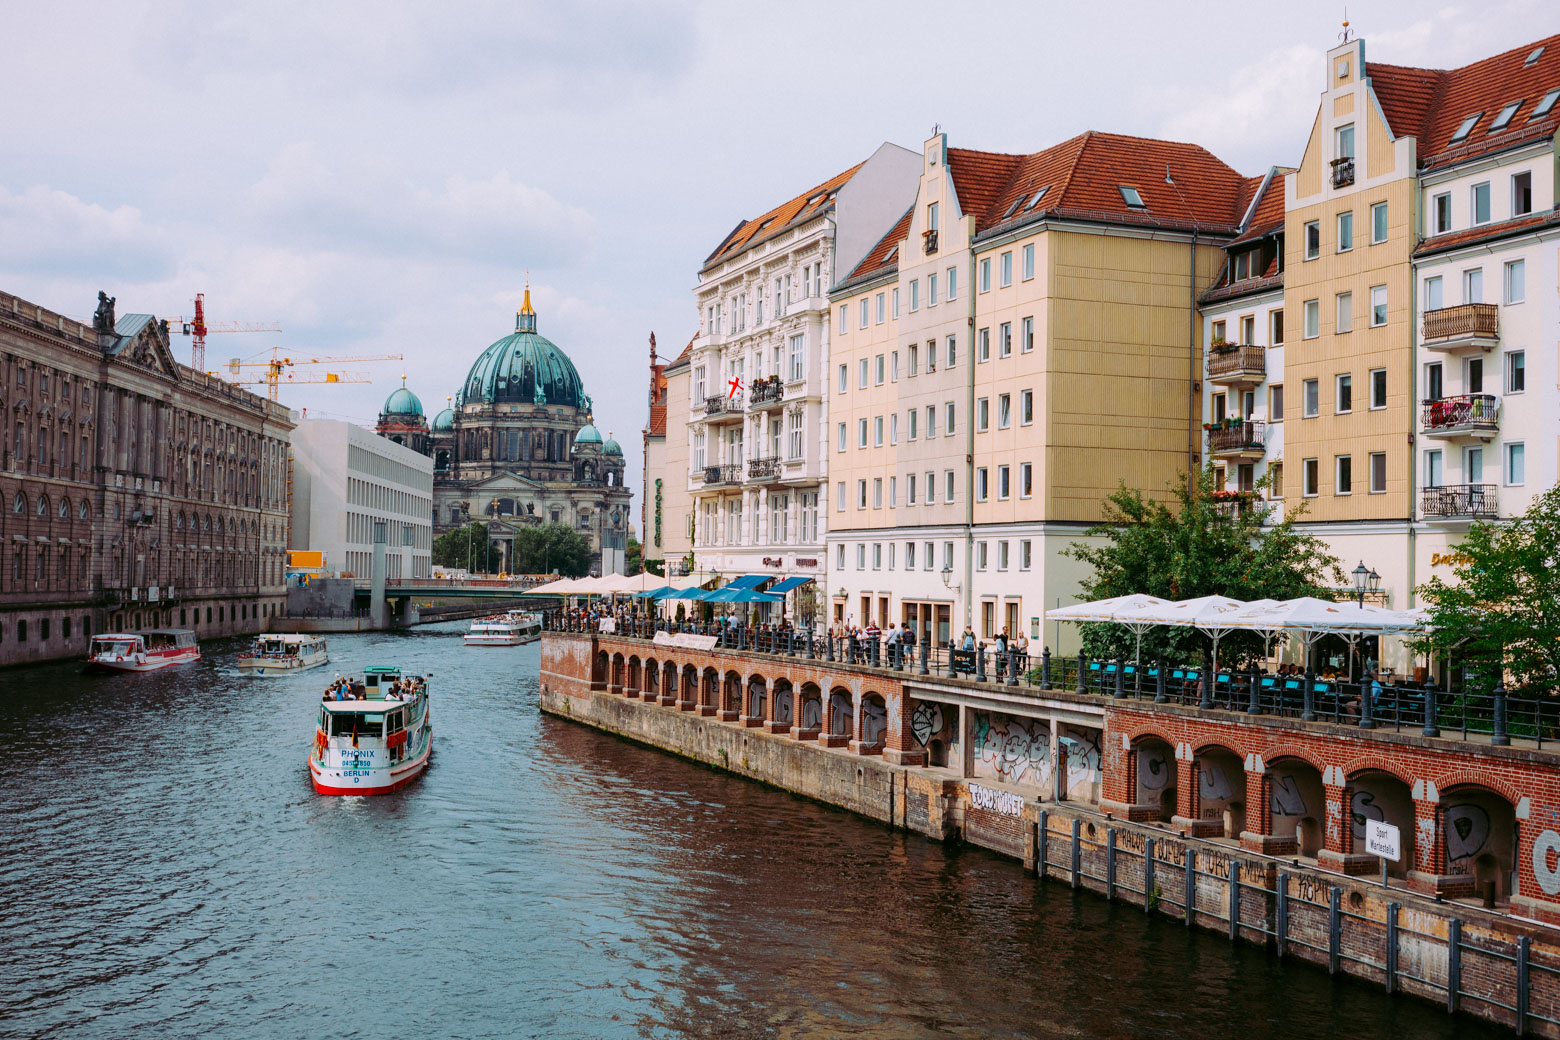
{"points": [[1311, 618], [1112, 610], [561, 587], [1207, 614]]}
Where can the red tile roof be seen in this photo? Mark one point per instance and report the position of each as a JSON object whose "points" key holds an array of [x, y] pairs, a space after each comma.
{"points": [[1430, 104], [811, 203], [882, 258], [1488, 232], [1082, 180]]}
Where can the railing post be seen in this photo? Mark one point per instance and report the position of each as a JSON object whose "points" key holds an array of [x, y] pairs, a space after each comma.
{"points": [[1012, 662], [1334, 923], [850, 648], [1077, 851], [1254, 705], [980, 662], [1308, 713], [812, 651], [1110, 863], [1045, 668], [828, 644], [1082, 672], [1500, 737], [877, 651], [926, 651], [1119, 669], [1148, 874], [1281, 915], [1453, 962], [1159, 681], [1430, 728], [1206, 700], [951, 671], [1392, 946]]}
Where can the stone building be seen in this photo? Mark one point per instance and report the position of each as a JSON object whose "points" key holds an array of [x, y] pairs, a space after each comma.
{"points": [[518, 448], [137, 492]]}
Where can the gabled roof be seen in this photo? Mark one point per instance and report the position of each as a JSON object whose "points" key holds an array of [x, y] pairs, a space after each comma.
{"points": [[811, 203], [1265, 212], [1431, 104], [1489, 232], [1082, 178], [882, 258]]}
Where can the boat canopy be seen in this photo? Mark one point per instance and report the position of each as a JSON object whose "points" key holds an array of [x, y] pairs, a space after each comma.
{"points": [[389, 670]]}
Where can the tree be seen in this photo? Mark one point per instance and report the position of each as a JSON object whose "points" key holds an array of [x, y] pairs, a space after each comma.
{"points": [[1502, 610], [553, 547], [466, 548], [633, 556], [1203, 542]]}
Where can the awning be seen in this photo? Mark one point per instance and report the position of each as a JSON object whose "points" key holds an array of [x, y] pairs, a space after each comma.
{"points": [[786, 585], [732, 594], [748, 581]]}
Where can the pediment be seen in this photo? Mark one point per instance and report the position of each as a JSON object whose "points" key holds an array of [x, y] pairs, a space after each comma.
{"points": [[141, 339], [508, 481]]}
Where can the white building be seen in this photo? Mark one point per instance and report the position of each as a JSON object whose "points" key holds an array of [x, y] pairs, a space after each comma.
{"points": [[755, 413], [345, 479]]}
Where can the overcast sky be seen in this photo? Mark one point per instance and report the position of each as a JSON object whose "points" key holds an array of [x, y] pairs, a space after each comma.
{"points": [[377, 177]]}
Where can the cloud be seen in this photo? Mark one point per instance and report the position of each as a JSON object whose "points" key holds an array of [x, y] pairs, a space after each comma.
{"points": [[46, 231], [1254, 117]]}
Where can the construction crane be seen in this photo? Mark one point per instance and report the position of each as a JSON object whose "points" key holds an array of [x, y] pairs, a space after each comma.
{"points": [[278, 370], [199, 328]]}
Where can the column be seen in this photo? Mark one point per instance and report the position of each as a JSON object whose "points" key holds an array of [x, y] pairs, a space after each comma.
{"points": [[1188, 800], [899, 743], [1258, 835], [1339, 852]]}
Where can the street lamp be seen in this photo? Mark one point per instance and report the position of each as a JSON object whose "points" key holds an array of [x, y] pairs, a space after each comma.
{"points": [[1365, 580]]}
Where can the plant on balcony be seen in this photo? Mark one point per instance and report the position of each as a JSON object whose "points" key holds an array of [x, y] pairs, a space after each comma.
{"points": [[1501, 610], [1229, 495], [1183, 543]]}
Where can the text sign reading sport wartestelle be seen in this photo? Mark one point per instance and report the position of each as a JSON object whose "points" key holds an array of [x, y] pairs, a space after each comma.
{"points": [[685, 640], [1384, 840]]}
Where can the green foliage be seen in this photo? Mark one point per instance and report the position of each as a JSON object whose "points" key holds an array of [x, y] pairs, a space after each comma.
{"points": [[1503, 607], [1195, 545], [465, 546], [549, 548], [633, 557]]}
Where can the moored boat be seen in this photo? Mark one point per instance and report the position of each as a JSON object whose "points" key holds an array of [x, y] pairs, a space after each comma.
{"points": [[373, 735], [283, 654], [510, 629], [143, 651]]}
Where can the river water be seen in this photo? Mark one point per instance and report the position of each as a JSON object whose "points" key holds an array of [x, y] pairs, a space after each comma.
{"points": [[166, 870]]}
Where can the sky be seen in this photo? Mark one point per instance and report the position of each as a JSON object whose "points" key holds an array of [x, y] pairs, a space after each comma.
{"points": [[379, 177]]}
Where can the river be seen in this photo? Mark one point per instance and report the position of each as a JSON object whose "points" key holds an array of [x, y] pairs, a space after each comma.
{"points": [[167, 870]]}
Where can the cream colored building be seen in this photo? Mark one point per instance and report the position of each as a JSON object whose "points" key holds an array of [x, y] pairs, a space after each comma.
{"points": [[1022, 342], [666, 504]]}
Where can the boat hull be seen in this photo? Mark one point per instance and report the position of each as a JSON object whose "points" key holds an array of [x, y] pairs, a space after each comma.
{"points": [[338, 782], [514, 640], [250, 666], [150, 663]]}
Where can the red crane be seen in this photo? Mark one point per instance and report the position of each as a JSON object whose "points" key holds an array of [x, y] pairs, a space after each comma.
{"points": [[198, 328]]}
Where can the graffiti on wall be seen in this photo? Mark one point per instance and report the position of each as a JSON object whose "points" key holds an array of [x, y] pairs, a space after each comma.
{"points": [[926, 721], [1213, 784], [1284, 798], [1155, 773], [840, 710], [1005, 802], [783, 707], [812, 713], [1467, 832], [1363, 807], [1083, 757], [1546, 862], [874, 720], [1017, 751]]}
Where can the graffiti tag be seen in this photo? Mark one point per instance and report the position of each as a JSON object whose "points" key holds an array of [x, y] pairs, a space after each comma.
{"points": [[1003, 802]]}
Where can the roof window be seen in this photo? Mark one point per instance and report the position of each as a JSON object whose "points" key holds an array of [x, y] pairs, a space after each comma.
{"points": [[1545, 104], [1504, 116], [1013, 206], [891, 254], [1038, 196], [1466, 127], [1532, 59], [1131, 196]]}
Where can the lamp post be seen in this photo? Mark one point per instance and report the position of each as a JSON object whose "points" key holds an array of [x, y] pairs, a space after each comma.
{"points": [[1365, 580]]}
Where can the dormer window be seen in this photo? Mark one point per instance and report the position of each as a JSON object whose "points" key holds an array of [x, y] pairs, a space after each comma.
{"points": [[1012, 206], [1532, 59], [1131, 196], [1547, 103], [1038, 196], [1504, 116], [1242, 266], [1466, 127]]}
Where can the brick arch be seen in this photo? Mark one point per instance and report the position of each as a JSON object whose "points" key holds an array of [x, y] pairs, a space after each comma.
{"points": [[1218, 745], [1142, 733], [1283, 751], [1467, 778], [1374, 764]]}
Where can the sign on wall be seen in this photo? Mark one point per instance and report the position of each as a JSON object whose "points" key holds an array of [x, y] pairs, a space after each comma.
{"points": [[1384, 840]]}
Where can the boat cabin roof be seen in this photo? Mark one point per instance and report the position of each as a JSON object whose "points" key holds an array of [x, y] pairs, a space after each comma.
{"points": [[389, 670], [358, 707], [289, 638], [117, 635], [168, 632]]}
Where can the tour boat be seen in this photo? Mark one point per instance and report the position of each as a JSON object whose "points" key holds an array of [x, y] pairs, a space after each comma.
{"points": [[505, 630], [376, 741], [282, 654], [143, 651]]}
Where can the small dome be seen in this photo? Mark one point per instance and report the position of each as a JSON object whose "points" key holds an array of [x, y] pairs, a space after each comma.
{"points": [[611, 448], [444, 422], [403, 402], [588, 435]]}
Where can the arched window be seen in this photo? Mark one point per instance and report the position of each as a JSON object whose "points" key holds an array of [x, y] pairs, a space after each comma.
{"points": [[43, 505], [83, 511], [64, 509], [19, 503]]}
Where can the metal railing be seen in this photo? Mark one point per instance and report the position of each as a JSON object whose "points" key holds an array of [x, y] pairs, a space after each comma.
{"points": [[1465, 319], [1460, 501], [721, 404], [1242, 436], [766, 392], [1462, 412], [1237, 359], [728, 474], [1343, 171], [768, 466]]}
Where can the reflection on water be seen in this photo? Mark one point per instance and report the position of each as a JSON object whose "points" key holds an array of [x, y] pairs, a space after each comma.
{"points": [[167, 868]]}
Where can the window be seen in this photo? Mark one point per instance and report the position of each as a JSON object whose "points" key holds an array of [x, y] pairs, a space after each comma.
{"points": [[1345, 484], [1433, 294], [839, 502], [1004, 484], [861, 556], [982, 414], [931, 216], [1378, 388], [980, 565], [1026, 335], [1378, 223], [1313, 239], [948, 416], [1434, 388], [861, 433], [1007, 269], [863, 309], [877, 431], [797, 358], [1029, 261], [861, 494], [893, 428], [1310, 391], [1521, 193], [1465, 127], [1345, 231], [1345, 321], [840, 439], [1442, 206], [878, 369], [1278, 329], [1516, 464], [1026, 473], [982, 481], [1005, 339], [1132, 197], [795, 434], [1473, 466], [839, 556], [1004, 411], [1378, 306], [912, 361], [953, 294], [1345, 140], [931, 290], [1275, 480], [1024, 555], [1276, 403], [861, 374], [1433, 468], [1309, 478], [1345, 394], [1479, 205], [1248, 329], [983, 345], [844, 318], [1516, 281], [1516, 371], [1504, 116], [985, 275], [931, 494], [1378, 472], [893, 302], [914, 417], [1473, 285], [915, 295], [1545, 104], [910, 500], [1313, 312], [844, 378], [1026, 407], [947, 485], [1002, 555], [893, 366], [931, 420], [893, 492], [877, 556], [909, 556], [953, 351]]}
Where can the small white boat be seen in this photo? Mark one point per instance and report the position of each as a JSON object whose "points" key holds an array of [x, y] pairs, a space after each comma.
{"points": [[376, 741], [505, 630], [283, 654], [143, 651]]}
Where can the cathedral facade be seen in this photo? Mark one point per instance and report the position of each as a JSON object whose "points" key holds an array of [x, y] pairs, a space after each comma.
{"points": [[517, 448]]}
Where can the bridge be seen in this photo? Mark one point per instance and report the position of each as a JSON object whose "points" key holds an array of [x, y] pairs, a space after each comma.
{"points": [[447, 588]]}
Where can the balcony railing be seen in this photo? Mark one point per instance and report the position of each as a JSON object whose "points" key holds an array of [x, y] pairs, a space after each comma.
{"points": [[1467, 324], [1240, 438], [1466, 413], [929, 242], [766, 392], [1235, 362], [1460, 502], [1343, 171], [764, 467], [728, 474], [722, 404]]}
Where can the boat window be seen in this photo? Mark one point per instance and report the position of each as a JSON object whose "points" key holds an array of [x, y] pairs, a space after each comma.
{"points": [[344, 724]]}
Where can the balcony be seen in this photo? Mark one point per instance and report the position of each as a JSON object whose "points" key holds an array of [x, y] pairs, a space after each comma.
{"points": [[722, 407], [766, 393], [1460, 502], [1240, 439], [1234, 364], [1235, 503], [1466, 327], [1467, 416], [1343, 172], [714, 476], [929, 242], [767, 468]]}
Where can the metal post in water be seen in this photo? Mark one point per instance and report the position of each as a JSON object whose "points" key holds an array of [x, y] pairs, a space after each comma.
{"points": [[1334, 923], [1392, 946], [1110, 863], [1281, 915]]}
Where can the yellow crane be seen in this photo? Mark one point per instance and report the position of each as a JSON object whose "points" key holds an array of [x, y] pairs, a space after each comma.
{"points": [[278, 370]]}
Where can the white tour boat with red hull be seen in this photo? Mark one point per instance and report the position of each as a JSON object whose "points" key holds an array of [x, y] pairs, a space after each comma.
{"points": [[143, 651], [374, 735]]}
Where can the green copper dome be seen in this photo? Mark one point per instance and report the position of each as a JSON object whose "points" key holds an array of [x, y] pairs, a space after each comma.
{"points": [[444, 422], [524, 368], [611, 448], [403, 402], [588, 435]]}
